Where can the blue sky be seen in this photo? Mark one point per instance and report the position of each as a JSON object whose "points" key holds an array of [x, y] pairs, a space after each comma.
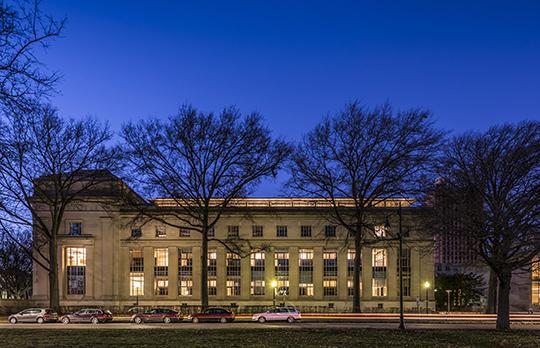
{"points": [[472, 63]]}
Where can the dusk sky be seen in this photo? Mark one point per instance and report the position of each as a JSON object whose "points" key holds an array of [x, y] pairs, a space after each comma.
{"points": [[472, 63]]}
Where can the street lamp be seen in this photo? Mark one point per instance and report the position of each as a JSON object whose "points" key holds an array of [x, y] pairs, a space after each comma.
{"points": [[448, 302], [274, 286], [427, 285]]}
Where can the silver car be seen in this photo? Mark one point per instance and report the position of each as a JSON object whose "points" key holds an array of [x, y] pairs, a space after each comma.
{"points": [[34, 315]]}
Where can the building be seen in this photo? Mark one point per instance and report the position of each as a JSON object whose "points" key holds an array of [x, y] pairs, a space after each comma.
{"points": [[107, 260]]}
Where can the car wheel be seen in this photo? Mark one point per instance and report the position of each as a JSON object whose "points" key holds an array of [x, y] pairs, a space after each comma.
{"points": [[13, 320], [65, 320], [195, 320], [95, 321], [40, 320], [138, 320], [262, 319], [167, 320], [290, 320], [223, 320]]}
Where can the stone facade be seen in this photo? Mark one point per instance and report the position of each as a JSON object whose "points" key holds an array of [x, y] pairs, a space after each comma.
{"points": [[107, 260]]}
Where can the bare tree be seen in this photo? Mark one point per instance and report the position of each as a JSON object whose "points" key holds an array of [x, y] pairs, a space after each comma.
{"points": [[48, 164], [203, 162], [16, 265], [24, 29], [369, 157], [499, 170]]}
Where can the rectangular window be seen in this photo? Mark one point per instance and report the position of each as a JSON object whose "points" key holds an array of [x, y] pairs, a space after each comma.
{"points": [[233, 231], [281, 264], [161, 232], [351, 253], [330, 263], [281, 231], [380, 231], [185, 233], [233, 274], [305, 231], [257, 273], [379, 262], [161, 271], [75, 229], [329, 231], [535, 278], [76, 271], [136, 273], [212, 287], [406, 270], [212, 232], [212, 262], [233, 287], [257, 231], [136, 232], [330, 287], [305, 268], [185, 271]]}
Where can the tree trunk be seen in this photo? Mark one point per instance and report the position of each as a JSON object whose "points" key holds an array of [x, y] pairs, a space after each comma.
{"points": [[356, 274], [491, 307], [503, 306], [54, 292], [204, 269]]}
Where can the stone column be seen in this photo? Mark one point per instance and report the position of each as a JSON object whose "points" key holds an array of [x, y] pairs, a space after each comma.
{"points": [[245, 279], [221, 273], [196, 252], [269, 271], [318, 273], [173, 273], [293, 274], [392, 275], [148, 253], [342, 274], [367, 274], [91, 270]]}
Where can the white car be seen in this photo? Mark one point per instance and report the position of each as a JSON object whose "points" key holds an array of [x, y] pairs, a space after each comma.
{"points": [[289, 314]]}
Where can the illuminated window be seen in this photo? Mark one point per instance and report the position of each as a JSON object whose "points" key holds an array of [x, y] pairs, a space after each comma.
{"points": [[330, 287], [136, 273], [212, 262], [161, 271], [379, 262], [535, 277], [380, 231], [212, 287], [233, 287], [351, 253], [257, 273], [257, 231], [161, 286], [281, 269], [75, 229], [185, 271], [281, 231], [330, 263], [76, 271], [305, 268]]}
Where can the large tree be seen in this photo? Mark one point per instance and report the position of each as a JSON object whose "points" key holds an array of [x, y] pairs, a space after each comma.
{"points": [[47, 164], [368, 156], [24, 29], [202, 162], [16, 265], [498, 171]]}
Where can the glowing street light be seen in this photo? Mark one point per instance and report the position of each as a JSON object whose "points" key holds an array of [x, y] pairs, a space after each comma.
{"points": [[274, 287], [427, 285]]}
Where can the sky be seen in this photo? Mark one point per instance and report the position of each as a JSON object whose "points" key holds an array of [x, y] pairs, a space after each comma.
{"points": [[472, 63]]}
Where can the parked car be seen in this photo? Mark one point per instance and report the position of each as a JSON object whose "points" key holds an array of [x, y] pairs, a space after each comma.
{"points": [[34, 315], [88, 315], [157, 315], [289, 314], [215, 314]]}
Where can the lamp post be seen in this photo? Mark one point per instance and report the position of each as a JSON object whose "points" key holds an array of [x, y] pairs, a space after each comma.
{"points": [[427, 285], [274, 286], [448, 301]]}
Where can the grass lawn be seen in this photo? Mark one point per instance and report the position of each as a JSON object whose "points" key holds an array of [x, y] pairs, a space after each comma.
{"points": [[266, 338]]}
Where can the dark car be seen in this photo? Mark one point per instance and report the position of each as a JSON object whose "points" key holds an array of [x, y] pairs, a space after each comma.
{"points": [[162, 315], [34, 315], [88, 315], [221, 315]]}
